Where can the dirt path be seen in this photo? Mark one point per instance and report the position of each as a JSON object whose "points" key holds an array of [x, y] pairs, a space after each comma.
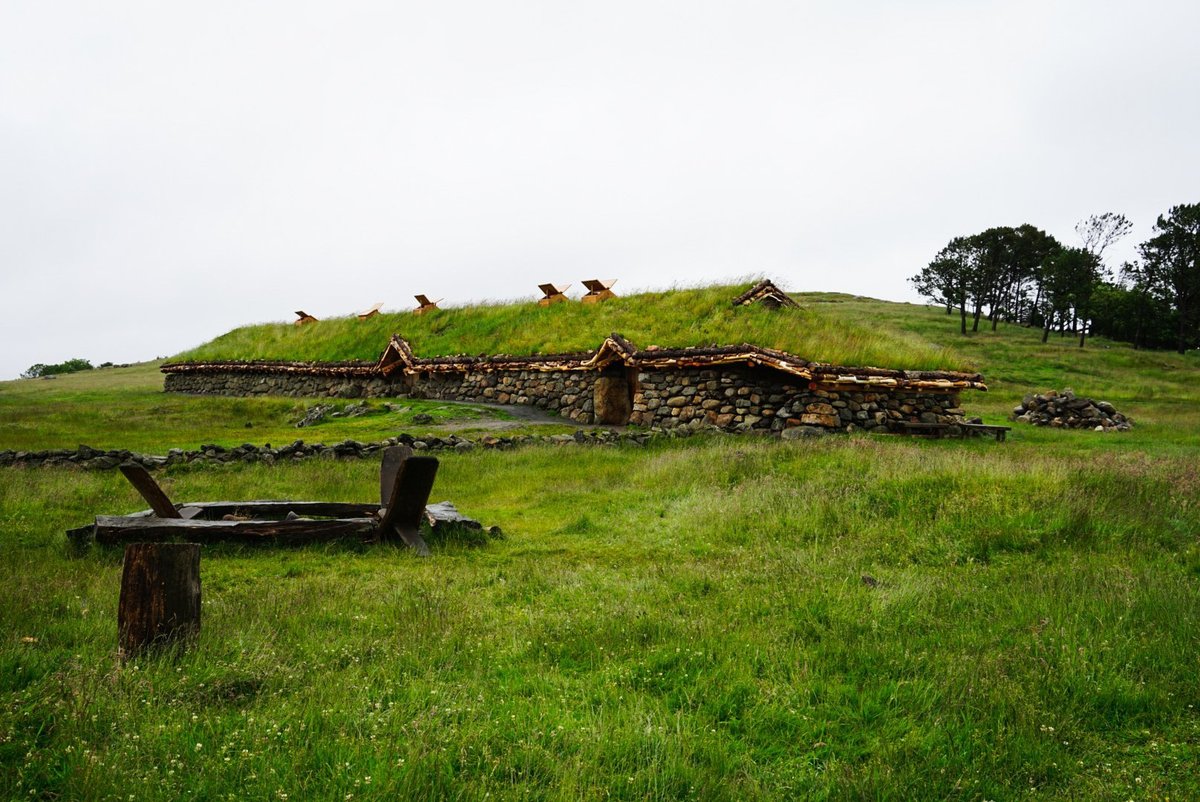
{"points": [[522, 415]]}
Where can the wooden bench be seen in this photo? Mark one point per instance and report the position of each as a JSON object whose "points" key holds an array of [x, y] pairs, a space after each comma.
{"points": [[405, 482]]}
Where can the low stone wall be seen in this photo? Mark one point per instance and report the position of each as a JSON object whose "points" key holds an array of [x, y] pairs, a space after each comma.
{"points": [[730, 397], [295, 385], [88, 458]]}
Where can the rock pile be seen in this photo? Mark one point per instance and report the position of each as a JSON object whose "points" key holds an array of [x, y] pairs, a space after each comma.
{"points": [[1066, 410], [318, 413]]}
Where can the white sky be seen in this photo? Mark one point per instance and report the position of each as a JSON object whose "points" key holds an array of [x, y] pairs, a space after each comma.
{"points": [[169, 171]]}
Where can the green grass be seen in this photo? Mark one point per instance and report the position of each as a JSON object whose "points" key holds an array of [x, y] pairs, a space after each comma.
{"points": [[685, 620], [685, 317], [125, 408]]}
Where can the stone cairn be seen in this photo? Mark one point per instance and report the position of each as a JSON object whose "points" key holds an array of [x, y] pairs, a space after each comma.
{"points": [[1066, 410]]}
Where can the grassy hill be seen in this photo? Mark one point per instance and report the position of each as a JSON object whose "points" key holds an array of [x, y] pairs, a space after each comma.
{"points": [[685, 317], [685, 620], [125, 408]]}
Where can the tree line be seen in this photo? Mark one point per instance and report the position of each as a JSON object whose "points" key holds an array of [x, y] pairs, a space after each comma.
{"points": [[69, 366], [1024, 275]]}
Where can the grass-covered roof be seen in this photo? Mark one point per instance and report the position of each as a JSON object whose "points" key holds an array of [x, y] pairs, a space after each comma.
{"points": [[820, 330]]}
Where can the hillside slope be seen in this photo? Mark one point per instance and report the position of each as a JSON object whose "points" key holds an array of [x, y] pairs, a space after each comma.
{"points": [[830, 327]]}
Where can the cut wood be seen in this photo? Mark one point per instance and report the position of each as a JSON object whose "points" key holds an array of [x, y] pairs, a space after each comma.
{"points": [[145, 485], [160, 596], [404, 485], [110, 529], [215, 510], [406, 502], [393, 458]]}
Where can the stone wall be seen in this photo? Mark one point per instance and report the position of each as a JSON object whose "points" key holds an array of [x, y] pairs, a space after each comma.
{"points": [[758, 398], [569, 393], [296, 385], [730, 397]]}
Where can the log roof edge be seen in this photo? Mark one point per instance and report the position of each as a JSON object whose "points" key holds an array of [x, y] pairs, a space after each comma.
{"points": [[399, 355], [763, 290]]}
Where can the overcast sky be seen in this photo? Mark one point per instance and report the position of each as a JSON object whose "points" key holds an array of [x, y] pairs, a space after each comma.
{"points": [[171, 170]]}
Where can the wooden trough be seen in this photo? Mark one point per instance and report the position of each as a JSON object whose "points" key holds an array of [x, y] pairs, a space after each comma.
{"points": [[405, 482]]}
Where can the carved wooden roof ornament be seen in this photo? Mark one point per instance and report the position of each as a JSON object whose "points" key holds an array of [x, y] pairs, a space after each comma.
{"points": [[372, 312], [426, 305], [766, 293], [598, 290], [552, 294]]}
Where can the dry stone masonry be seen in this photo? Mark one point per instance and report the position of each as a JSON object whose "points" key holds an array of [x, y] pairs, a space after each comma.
{"points": [[733, 388]]}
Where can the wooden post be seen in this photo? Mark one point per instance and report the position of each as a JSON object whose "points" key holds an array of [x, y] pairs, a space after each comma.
{"points": [[160, 597], [406, 501]]}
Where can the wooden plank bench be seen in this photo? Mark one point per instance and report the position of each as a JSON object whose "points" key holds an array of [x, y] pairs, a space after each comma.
{"points": [[404, 487]]}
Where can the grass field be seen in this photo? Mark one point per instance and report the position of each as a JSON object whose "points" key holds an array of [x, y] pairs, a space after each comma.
{"points": [[126, 408], [683, 620]]}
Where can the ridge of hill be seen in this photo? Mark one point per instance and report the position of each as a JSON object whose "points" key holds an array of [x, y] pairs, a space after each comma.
{"points": [[818, 331]]}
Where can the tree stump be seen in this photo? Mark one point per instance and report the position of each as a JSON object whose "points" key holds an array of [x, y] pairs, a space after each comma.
{"points": [[160, 597]]}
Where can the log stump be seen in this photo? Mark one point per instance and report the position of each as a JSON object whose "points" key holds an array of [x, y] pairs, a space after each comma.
{"points": [[160, 597]]}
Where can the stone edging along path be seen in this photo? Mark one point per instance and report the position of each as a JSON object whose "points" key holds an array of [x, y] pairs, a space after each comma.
{"points": [[90, 458]]}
